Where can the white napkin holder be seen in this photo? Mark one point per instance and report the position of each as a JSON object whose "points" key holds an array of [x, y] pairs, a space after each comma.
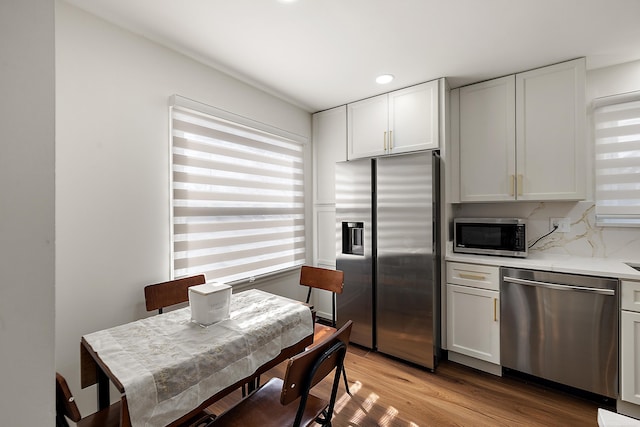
{"points": [[209, 303]]}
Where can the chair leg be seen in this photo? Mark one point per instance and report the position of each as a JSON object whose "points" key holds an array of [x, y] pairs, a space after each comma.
{"points": [[346, 383], [323, 420], [251, 386], [334, 324]]}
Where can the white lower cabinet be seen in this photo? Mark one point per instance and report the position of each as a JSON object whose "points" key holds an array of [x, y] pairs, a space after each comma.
{"points": [[630, 342], [473, 326], [473, 311]]}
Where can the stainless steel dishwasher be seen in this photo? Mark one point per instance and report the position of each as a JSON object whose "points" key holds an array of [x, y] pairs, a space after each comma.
{"points": [[561, 327]]}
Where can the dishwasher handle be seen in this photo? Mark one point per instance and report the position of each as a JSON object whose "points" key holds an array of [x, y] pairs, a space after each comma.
{"points": [[558, 286]]}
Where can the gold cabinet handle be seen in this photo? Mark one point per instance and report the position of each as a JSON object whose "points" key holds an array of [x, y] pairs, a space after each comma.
{"points": [[495, 309], [390, 140], [384, 140], [472, 276], [520, 179], [511, 185]]}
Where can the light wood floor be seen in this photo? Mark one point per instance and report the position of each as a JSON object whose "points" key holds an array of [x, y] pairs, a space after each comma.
{"points": [[387, 392]]}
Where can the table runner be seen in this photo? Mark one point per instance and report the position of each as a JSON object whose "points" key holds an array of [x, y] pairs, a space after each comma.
{"points": [[169, 365]]}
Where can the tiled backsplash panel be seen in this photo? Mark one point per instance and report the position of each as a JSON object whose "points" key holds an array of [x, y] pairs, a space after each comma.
{"points": [[584, 239]]}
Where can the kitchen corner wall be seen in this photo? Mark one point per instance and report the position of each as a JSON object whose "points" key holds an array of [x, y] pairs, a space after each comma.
{"points": [[585, 238], [27, 197], [112, 172]]}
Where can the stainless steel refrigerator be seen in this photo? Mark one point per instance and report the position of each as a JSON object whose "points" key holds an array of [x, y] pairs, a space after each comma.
{"points": [[387, 245]]}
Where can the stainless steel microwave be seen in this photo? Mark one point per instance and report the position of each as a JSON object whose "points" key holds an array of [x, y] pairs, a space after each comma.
{"points": [[490, 236]]}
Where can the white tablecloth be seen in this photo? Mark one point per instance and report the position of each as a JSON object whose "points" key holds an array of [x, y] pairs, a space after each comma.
{"points": [[169, 365]]}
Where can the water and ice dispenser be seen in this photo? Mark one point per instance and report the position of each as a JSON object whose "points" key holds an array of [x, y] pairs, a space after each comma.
{"points": [[353, 238]]}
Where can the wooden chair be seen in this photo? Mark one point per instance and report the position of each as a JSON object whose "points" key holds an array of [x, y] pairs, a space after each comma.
{"points": [[165, 294], [273, 403], [328, 280], [108, 417], [66, 408]]}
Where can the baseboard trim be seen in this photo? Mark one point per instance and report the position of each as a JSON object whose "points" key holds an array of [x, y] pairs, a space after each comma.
{"points": [[478, 364], [628, 409]]}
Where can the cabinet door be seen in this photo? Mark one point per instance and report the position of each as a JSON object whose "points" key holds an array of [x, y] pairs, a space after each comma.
{"points": [[329, 147], [630, 357], [473, 326], [413, 118], [551, 123], [487, 141], [367, 127]]}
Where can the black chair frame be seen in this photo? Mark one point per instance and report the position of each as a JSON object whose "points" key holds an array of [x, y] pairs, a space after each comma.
{"points": [[340, 350]]}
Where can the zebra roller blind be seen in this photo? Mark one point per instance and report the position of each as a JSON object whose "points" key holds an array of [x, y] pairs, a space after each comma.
{"points": [[237, 198], [617, 160]]}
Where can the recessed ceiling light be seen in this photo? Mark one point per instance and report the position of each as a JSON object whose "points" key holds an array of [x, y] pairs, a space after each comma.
{"points": [[384, 79]]}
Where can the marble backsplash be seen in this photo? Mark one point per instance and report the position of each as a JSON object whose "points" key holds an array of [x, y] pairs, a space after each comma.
{"points": [[584, 239]]}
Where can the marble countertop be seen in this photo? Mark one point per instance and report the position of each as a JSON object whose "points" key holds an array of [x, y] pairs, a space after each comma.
{"points": [[606, 267]]}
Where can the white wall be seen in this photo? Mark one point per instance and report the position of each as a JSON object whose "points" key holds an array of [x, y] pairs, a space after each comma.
{"points": [[613, 80], [27, 395], [112, 167], [585, 239]]}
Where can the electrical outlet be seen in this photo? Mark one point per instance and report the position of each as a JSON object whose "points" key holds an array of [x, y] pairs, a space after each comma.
{"points": [[564, 224]]}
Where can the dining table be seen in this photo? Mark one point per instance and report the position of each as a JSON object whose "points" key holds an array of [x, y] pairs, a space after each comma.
{"points": [[168, 368]]}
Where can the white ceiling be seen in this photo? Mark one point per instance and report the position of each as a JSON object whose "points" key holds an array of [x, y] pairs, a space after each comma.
{"points": [[320, 54]]}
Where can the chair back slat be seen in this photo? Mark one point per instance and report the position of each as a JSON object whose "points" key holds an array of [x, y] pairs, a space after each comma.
{"points": [[322, 278], [297, 378], [65, 402], [169, 293]]}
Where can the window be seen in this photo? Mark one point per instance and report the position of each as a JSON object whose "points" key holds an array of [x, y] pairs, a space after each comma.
{"points": [[617, 160], [237, 195]]}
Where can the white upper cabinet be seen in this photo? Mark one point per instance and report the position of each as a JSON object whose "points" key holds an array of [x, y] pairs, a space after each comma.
{"points": [[488, 140], [522, 137], [329, 147], [414, 118], [551, 132], [397, 122], [368, 124]]}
